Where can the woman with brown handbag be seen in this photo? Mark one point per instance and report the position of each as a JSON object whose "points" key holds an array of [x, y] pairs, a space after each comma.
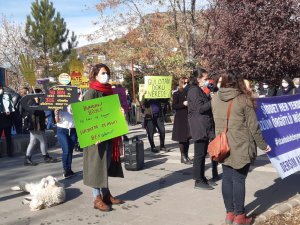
{"points": [[243, 136]]}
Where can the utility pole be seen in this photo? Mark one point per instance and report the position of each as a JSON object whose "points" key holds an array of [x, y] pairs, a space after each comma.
{"points": [[132, 78]]}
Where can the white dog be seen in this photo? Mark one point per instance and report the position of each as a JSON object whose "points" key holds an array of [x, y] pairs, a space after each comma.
{"points": [[47, 193]]}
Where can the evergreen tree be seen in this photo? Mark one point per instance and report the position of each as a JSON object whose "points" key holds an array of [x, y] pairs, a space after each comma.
{"points": [[47, 30]]}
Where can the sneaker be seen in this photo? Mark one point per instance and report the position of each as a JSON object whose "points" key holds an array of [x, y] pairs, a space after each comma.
{"points": [[154, 150], [68, 174], [203, 185]]}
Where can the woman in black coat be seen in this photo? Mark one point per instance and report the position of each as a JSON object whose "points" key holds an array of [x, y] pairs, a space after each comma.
{"points": [[181, 131], [201, 126], [287, 87]]}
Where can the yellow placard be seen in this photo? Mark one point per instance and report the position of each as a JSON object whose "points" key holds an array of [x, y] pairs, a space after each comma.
{"points": [[27, 69], [158, 87], [84, 84], [76, 72]]}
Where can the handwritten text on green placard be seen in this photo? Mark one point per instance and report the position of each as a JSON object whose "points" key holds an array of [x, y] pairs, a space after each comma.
{"points": [[99, 119]]}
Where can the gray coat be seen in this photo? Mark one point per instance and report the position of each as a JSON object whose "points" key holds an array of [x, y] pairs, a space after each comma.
{"points": [[243, 133], [97, 164]]}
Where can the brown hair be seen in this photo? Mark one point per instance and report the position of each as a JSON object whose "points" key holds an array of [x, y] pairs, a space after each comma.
{"points": [[231, 79], [95, 70], [181, 83]]}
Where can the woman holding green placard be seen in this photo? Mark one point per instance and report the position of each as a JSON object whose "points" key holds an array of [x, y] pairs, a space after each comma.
{"points": [[102, 159]]}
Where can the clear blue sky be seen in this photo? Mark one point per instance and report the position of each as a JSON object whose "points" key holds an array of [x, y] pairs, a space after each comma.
{"points": [[78, 14]]}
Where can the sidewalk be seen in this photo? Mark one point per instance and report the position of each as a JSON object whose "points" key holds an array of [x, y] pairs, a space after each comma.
{"points": [[161, 193]]}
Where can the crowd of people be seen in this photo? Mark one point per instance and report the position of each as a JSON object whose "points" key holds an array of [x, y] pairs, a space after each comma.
{"points": [[202, 107], [199, 105]]}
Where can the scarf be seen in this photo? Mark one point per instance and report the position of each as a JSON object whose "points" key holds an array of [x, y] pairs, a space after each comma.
{"points": [[117, 145], [104, 88]]}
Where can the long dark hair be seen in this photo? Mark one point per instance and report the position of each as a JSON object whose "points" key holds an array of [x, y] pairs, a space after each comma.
{"points": [[232, 79], [197, 73], [95, 70]]}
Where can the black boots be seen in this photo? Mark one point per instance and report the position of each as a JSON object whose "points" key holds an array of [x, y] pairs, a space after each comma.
{"points": [[49, 159], [185, 156], [154, 150], [28, 161]]}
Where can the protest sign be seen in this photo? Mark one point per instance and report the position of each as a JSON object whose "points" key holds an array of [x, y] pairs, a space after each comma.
{"points": [[57, 97], [84, 82], [122, 96], [279, 120], [158, 86], [27, 69], [141, 88], [141, 91], [76, 72], [64, 79], [99, 119]]}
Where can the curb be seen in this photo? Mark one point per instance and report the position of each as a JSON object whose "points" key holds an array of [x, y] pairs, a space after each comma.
{"points": [[279, 209]]}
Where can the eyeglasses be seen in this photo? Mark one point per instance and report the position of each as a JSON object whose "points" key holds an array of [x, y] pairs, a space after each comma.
{"points": [[186, 82]]}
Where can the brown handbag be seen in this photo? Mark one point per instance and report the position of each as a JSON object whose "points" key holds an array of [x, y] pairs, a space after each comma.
{"points": [[218, 149]]}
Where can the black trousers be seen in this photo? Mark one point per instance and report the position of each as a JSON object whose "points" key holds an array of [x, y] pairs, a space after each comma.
{"points": [[7, 132], [151, 125], [233, 188], [200, 151]]}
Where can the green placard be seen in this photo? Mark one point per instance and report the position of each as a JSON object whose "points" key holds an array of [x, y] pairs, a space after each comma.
{"points": [[158, 86], [99, 119]]}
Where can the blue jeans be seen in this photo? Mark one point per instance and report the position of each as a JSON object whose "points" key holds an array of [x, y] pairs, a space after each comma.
{"points": [[67, 139], [50, 119], [103, 191], [233, 188]]}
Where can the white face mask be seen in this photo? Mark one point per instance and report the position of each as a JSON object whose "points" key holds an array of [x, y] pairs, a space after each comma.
{"points": [[219, 85], [284, 84], [265, 86], [296, 85], [1, 91], [103, 78]]}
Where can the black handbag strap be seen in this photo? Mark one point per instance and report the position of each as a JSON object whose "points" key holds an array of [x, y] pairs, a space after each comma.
{"points": [[228, 114]]}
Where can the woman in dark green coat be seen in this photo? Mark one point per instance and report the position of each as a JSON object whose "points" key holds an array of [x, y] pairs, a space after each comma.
{"points": [[102, 159]]}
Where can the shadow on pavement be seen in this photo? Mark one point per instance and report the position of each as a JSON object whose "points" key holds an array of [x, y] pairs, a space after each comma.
{"points": [[72, 193], [13, 195], [154, 163], [74, 179], [164, 182], [279, 192]]}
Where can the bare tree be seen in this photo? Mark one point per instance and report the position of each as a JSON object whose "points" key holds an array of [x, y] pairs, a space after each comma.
{"points": [[11, 46]]}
